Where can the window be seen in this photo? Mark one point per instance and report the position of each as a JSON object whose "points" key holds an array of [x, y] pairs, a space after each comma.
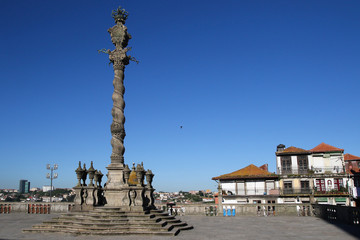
{"points": [[287, 187], [305, 187], [285, 164], [302, 164], [338, 183], [320, 185], [358, 164]]}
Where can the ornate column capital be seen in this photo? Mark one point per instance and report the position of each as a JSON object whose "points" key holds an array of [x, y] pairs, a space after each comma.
{"points": [[119, 58]]}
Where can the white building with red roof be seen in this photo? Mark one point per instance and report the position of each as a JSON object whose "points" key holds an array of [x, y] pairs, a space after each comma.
{"points": [[251, 184], [315, 175]]}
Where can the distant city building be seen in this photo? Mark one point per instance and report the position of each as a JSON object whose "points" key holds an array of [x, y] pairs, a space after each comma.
{"points": [[54, 199], [194, 192], [34, 189], [47, 188], [9, 190], [24, 186]]}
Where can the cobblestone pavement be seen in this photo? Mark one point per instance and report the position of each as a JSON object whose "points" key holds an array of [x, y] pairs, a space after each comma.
{"points": [[222, 228]]}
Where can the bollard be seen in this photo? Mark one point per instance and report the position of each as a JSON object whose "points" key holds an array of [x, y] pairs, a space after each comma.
{"points": [[233, 211], [224, 211]]}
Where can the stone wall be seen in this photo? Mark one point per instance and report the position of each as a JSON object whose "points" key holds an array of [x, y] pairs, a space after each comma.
{"points": [[300, 209], [180, 209], [35, 207]]}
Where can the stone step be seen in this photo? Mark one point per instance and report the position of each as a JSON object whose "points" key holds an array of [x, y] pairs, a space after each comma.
{"points": [[115, 232], [179, 229], [159, 213], [105, 220], [166, 217], [106, 228], [106, 209], [113, 221], [102, 224], [171, 220]]}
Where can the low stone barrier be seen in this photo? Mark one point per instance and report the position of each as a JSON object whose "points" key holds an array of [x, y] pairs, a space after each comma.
{"points": [[300, 209], [5, 208], [35, 208], [204, 209], [39, 208]]}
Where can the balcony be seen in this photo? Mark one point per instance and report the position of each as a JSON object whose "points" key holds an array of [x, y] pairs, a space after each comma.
{"points": [[310, 171], [331, 191], [296, 191], [252, 192]]}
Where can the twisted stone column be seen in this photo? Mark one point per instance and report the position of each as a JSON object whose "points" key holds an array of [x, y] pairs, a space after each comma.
{"points": [[120, 38], [119, 59], [114, 190]]}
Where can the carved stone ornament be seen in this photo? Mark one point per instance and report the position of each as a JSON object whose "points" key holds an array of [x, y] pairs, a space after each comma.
{"points": [[91, 172], [79, 173], [120, 15]]}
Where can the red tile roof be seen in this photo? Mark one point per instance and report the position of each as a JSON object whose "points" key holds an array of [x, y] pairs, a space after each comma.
{"points": [[250, 171], [349, 157], [293, 150], [323, 148]]}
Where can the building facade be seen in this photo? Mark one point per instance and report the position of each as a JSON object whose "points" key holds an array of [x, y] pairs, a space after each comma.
{"points": [[352, 166], [315, 175], [24, 186], [251, 184], [322, 175]]}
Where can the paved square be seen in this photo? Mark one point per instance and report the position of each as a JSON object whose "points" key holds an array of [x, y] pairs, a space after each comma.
{"points": [[221, 228]]}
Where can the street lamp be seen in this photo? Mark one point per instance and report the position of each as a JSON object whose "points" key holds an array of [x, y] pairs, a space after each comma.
{"points": [[51, 176]]}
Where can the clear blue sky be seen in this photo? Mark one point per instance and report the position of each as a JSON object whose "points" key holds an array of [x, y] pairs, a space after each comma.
{"points": [[241, 77]]}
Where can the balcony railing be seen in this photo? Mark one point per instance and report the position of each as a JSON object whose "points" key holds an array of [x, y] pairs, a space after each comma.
{"points": [[296, 191], [314, 170], [289, 191], [253, 191], [316, 191], [331, 190]]}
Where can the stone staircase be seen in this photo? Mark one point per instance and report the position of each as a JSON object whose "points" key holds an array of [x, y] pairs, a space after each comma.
{"points": [[113, 221]]}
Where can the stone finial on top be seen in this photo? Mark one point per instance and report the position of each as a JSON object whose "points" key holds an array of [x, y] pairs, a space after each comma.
{"points": [[120, 15]]}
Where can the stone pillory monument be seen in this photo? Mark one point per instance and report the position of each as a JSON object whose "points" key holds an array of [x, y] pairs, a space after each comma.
{"points": [[125, 205]]}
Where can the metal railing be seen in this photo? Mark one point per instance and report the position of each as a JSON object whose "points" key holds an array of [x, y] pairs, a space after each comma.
{"points": [[308, 191], [314, 170], [296, 191], [341, 189], [253, 191]]}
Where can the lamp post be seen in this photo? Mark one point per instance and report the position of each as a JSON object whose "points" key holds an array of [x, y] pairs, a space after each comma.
{"points": [[51, 176]]}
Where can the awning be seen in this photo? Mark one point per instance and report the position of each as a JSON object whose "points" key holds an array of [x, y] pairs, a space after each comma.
{"points": [[340, 199], [322, 199]]}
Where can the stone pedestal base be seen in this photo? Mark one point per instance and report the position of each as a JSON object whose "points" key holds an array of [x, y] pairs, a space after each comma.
{"points": [[116, 197], [113, 192], [130, 198], [87, 197]]}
